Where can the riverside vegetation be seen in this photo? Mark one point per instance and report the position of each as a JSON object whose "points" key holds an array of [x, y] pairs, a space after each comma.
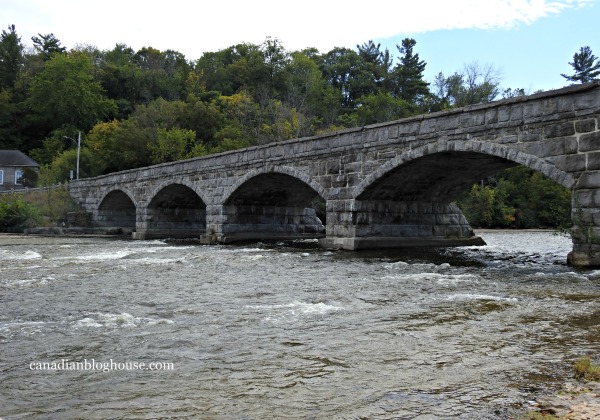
{"points": [[45, 207]]}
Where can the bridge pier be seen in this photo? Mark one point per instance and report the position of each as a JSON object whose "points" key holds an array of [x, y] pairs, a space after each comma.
{"points": [[160, 223], [253, 222], [368, 224], [585, 233]]}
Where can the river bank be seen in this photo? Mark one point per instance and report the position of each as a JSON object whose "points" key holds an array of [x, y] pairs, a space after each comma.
{"points": [[576, 401]]}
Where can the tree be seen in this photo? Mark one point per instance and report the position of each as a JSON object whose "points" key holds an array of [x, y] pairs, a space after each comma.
{"points": [[275, 59], [117, 146], [372, 70], [381, 107], [474, 84], [339, 67], [306, 90], [171, 145], [517, 197], [60, 169], [122, 79], [586, 66], [66, 93], [47, 45], [164, 73], [11, 57], [408, 74]]}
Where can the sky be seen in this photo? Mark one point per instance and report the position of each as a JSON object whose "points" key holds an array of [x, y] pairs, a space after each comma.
{"points": [[529, 42]]}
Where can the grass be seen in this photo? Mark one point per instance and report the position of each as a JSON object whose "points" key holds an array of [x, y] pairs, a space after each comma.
{"points": [[586, 370]]}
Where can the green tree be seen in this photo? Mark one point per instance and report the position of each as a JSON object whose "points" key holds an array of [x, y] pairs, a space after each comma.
{"points": [[171, 145], [275, 59], [164, 73], [381, 107], [204, 118], [11, 57], [586, 66], [241, 67], [67, 94], [372, 70], [340, 67], [518, 197], [47, 45], [119, 145], [64, 164], [305, 91], [409, 83], [122, 79], [242, 119], [9, 136]]}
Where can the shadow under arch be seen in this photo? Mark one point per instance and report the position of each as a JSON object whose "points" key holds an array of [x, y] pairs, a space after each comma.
{"points": [[506, 156], [273, 204], [283, 170], [117, 210], [176, 210], [410, 199]]}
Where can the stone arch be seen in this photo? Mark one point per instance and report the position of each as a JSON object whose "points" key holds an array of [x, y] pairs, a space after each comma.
{"points": [[121, 189], [471, 146], [272, 203], [181, 181], [175, 210], [285, 170], [117, 209], [409, 200]]}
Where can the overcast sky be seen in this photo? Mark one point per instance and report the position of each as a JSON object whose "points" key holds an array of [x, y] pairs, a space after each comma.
{"points": [[530, 41]]}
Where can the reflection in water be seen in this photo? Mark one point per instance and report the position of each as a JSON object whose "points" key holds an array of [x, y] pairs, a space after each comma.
{"points": [[263, 331]]}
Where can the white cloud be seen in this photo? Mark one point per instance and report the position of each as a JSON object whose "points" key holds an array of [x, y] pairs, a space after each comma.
{"points": [[198, 26]]}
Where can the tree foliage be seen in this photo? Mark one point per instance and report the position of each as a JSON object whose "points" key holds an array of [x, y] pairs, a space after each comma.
{"points": [[11, 57], [517, 198], [67, 94], [586, 66]]}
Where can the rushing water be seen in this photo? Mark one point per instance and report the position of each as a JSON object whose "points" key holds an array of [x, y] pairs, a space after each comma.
{"points": [[272, 331]]}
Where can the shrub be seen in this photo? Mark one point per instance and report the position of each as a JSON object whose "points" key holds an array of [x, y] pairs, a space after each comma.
{"points": [[16, 214]]}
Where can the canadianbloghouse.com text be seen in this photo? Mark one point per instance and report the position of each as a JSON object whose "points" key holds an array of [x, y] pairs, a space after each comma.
{"points": [[95, 365]]}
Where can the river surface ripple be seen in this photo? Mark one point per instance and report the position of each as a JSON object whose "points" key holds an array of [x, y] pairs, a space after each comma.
{"points": [[273, 331]]}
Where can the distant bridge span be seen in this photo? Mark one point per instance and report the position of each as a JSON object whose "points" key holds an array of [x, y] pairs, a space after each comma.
{"points": [[385, 185]]}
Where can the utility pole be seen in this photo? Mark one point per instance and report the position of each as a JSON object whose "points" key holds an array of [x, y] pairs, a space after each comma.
{"points": [[78, 150]]}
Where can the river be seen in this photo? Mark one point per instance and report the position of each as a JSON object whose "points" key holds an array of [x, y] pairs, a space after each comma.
{"points": [[261, 331]]}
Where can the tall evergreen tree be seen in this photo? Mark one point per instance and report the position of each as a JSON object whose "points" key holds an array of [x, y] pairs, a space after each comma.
{"points": [[11, 57], [374, 67], [47, 45], [586, 66], [408, 73]]}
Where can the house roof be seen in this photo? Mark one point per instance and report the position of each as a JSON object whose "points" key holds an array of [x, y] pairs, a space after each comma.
{"points": [[16, 158]]}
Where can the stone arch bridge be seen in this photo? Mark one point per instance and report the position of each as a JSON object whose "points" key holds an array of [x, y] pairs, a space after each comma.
{"points": [[383, 185]]}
